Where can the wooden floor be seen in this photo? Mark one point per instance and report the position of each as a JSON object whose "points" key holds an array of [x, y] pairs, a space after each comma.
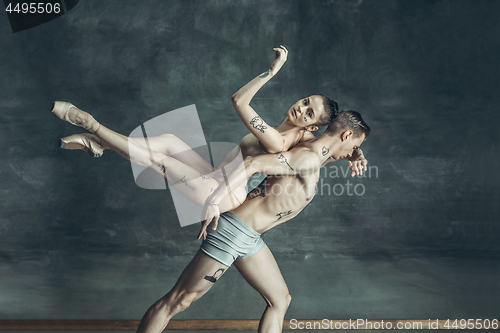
{"points": [[131, 325]]}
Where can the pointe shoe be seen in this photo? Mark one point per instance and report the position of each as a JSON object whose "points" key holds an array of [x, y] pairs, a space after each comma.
{"points": [[83, 119], [86, 142]]}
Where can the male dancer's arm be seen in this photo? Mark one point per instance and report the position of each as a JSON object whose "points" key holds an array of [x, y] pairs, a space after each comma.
{"points": [[298, 161]]}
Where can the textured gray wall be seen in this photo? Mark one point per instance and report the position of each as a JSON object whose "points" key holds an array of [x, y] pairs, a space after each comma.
{"points": [[424, 74]]}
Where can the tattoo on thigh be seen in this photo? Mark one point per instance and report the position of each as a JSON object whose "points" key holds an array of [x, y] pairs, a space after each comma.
{"points": [[283, 214], [259, 191], [128, 156], [203, 176], [264, 75], [182, 180], [214, 277], [258, 123], [283, 159]]}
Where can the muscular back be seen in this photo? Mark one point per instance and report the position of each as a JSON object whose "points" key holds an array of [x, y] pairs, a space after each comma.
{"points": [[276, 200]]}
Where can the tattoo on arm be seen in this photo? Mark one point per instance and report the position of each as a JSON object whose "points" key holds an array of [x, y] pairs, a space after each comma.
{"points": [[264, 75], [283, 214], [325, 151], [259, 191], [182, 180], [283, 159], [214, 277], [258, 123]]}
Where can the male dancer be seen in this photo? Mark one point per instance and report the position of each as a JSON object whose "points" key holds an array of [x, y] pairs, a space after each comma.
{"points": [[235, 237]]}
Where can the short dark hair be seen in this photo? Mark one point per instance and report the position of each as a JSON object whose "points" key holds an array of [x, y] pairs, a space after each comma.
{"points": [[348, 120], [331, 111]]}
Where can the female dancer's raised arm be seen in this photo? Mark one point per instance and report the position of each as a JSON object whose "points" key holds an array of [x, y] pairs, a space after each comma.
{"points": [[270, 138]]}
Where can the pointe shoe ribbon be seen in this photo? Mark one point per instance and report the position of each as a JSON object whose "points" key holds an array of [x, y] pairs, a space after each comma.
{"points": [[86, 142], [82, 118]]}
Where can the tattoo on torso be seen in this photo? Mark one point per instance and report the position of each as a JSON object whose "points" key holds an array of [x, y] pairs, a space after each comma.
{"points": [[283, 159], [259, 191], [283, 214], [258, 123]]}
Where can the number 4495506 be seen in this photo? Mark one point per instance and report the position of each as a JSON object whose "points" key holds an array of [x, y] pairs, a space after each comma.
{"points": [[471, 324], [34, 8]]}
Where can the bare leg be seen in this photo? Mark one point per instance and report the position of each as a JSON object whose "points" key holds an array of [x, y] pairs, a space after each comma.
{"points": [[189, 181], [262, 272], [190, 287], [171, 145], [167, 144]]}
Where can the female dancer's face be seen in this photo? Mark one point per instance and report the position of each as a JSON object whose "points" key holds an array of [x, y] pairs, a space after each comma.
{"points": [[307, 111]]}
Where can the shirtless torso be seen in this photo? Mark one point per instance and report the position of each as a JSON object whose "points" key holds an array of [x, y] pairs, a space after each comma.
{"points": [[276, 200], [289, 186]]}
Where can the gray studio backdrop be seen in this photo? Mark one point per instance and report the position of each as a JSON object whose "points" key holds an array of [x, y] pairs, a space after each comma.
{"points": [[419, 239]]}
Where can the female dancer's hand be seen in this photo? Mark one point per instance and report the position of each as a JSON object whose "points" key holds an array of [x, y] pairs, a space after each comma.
{"points": [[210, 213], [357, 162], [358, 166], [281, 55]]}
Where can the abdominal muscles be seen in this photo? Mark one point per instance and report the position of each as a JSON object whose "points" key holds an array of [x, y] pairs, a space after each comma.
{"points": [[274, 201]]}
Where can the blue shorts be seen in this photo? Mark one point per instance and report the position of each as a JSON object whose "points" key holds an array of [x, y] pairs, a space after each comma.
{"points": [[233, 239]]}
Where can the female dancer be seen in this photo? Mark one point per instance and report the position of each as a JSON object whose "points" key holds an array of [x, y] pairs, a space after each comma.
{"points": [[190, 173]]}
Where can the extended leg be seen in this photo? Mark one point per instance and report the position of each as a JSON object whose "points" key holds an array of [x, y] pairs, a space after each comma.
{"points": [[167, 144], [171, 145], [262, 272], [190, 182], [198, 277]]}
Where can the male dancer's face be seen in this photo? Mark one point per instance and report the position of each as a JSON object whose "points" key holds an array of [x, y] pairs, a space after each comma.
{"points": [[348, 145]]}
